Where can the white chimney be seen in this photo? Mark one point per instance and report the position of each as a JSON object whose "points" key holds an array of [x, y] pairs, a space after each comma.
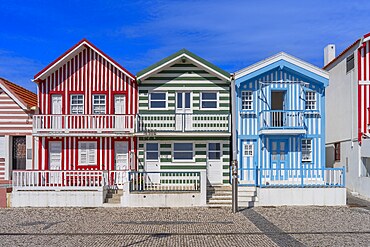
{"points": [[329, 53]]}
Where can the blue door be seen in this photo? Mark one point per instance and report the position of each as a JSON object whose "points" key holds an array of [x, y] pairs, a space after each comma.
{"points": [[278, 159]]}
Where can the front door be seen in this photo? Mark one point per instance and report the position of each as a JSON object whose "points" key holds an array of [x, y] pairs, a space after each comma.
{"points": [[121, 161], [120, 111], [279, 149], [152, 163], [214, 163], [19, 153], [56, 111], [55, 160], [184, 111]]}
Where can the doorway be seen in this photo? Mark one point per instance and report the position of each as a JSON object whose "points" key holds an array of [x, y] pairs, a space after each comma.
{"points": [[277, 107], [184, 111], [19, 153]]}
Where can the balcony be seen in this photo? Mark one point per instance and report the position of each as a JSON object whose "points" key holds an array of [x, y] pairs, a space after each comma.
{"points": [[281, 122], [177, 123], [83, 125]]}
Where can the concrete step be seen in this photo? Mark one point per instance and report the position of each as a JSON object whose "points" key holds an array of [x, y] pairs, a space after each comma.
{"points": [[247, 188], [219, 206], [247, 193], [226, 201], [221, 197]]}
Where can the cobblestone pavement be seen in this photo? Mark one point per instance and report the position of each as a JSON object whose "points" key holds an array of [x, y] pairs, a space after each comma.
{"points": [[264, 226]]}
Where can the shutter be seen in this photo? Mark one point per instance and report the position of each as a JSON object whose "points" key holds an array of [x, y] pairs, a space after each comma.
{"points": [[82, 158], [92, 153]]}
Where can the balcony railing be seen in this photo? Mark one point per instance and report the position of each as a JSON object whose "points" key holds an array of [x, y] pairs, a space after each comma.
{"points": [[83, 123], [279, 119], [184, 122]]}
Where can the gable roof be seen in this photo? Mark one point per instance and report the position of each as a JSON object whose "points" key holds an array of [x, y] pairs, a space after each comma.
{"points": [[342, 53], [183, 53], [283, 59], [74, 50], [23, 97]]}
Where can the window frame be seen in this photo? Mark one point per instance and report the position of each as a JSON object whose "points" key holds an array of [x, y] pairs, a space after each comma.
{"points": [[95, 153], [93, 104], [350, 60], [78, 104], [151, 151], [250, 149], [214, 151], [181, 151], [207, 100], [306, 149], [250, 101], [155, 100], [308, 99]]}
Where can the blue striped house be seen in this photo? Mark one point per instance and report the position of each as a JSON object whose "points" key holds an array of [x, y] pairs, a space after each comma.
{"points": [[280, 122]]}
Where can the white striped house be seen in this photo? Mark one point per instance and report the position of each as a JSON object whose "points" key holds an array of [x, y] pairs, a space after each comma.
{"points": [[87, 106], [15, 128]]}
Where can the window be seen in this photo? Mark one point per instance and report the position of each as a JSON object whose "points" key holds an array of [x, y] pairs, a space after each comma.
{"points": [[306, 150], [350, 63], [151, 151], [158, 100], [87, 153], [248, 150], [310, 100], [183, 151], [214, 151], [77, 104], [99, 104], [2, 147], [209, 101], [337, 151], [247, 100]]}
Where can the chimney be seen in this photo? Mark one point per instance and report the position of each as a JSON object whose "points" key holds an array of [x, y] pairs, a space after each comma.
{"points": [[329, 53]]}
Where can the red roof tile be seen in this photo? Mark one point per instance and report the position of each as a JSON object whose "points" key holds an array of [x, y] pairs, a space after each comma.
{"points": [[25, 96]]}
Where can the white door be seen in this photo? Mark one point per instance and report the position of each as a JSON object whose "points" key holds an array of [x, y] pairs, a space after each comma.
{"points": [[152, 163], [184, 111], [214, 163], [120, 111], [121, 161], [56, 111], [55, 160]]}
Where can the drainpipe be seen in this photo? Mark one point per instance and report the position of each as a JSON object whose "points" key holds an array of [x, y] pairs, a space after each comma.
{"points": [[234, 164]]}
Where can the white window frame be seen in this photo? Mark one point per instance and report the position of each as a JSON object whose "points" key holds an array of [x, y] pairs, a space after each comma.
{"points": [[306, 150], [99, 104], [146, 151], [214, 151], [156, 108], [78, 104], [179, 160], [248, 150], [89, 153], [246, 101], [207, 100], [310, 99]]}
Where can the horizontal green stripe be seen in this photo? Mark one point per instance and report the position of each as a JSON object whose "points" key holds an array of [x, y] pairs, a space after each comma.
{"points": [[224, 98], [141, 145], [200, 152], [200, 145], [183, 65], [166, 160], [141, 152], [143, 91], [224, 104], [225, 152], [226, 145], [225, 174], [165, 152], [195, 104], [171, 104], [225, 181], [200, 160], [143, 98], [190, 167], [225, 167], [226, 160], [165, 145], [143, 104]]}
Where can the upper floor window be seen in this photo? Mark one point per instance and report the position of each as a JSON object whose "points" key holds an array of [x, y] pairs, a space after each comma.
{"points": [[310, 100], [77, 104], [337, 151], [248, 150], [87, 154], [214, 151], [151, 151], [158, 100], [209, 100], [247, 100], [99, 104], [183, 151], [306, 150], [350, 63]]}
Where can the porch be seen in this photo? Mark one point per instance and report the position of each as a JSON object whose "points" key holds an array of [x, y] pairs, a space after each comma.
{"points": [[217, 123], [48, 125]]}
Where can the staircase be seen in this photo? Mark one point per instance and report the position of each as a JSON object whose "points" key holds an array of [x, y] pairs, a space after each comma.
{"points": [[113, 198], [221, 196]]}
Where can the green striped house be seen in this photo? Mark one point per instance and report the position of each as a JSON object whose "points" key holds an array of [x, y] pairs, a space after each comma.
{"points": [[184, 120]]}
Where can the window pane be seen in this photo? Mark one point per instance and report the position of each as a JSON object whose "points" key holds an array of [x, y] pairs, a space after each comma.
{"points": [[187, 100], [214, 155], [214, 146], [158, 96], [183, 155], [152, 155], [152, 146], [209, 96], [179, 100], [158, 104], [183, 147], [209, 104]]}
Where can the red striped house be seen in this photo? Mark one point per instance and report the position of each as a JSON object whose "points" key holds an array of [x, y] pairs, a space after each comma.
{"points": [[348, 113], [16, 110], [87, 105]]}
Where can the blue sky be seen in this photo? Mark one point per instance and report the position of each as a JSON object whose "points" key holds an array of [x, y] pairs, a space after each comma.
{"points": [[230, 34]]}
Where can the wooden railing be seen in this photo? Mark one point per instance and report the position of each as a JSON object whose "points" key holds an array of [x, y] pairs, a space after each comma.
{"points": [[164, 181], [184, 122], [83, 123], [279, 119]]}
